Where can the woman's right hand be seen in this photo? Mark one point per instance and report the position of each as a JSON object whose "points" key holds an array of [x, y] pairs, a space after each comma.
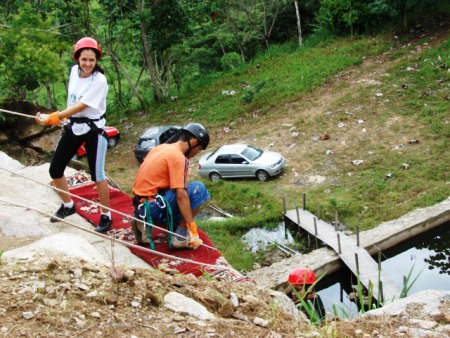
{"points": [[41, 118]]}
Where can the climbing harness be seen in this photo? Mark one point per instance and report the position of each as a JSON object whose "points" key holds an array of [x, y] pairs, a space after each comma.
{"points": [[145, 214], [90, 123]]}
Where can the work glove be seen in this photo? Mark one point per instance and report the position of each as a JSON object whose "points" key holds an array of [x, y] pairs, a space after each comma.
{"points": [[47, 119], [193, 232]]}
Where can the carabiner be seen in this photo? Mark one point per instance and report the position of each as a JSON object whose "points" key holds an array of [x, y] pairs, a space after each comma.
{"points": [[143, 216], [161, 204]]}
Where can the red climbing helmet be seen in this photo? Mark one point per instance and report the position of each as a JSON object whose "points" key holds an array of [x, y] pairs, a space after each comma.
{"points": [[87, 43], [301, 276]]}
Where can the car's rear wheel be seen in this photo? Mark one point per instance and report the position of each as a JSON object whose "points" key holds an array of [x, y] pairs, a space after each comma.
{"points": [[215, 177], [112, 142], [262, 175]]}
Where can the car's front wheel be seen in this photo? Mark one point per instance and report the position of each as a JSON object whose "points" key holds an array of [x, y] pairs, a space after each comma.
{"points": [[215, 177], [112, 142], [262, 175]]}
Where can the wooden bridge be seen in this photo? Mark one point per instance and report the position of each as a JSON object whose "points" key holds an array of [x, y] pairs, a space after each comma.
{"points": [[359, 261]]}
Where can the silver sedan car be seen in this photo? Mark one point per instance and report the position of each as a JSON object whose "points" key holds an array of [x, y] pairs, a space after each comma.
{"points": [[240, 160]]}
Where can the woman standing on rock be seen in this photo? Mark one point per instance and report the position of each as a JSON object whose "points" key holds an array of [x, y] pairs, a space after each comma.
{"points": [[86, 107]]}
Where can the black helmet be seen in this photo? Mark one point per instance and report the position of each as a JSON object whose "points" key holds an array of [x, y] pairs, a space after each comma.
{"points": [[199, 132]]}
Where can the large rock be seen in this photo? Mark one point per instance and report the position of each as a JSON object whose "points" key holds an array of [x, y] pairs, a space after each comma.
{"points": [[26, 203], [22, 138], [46, 142], [57, 245]]}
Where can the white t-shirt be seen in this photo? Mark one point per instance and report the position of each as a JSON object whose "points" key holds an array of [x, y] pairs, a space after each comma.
{"points": [[92, 92]]}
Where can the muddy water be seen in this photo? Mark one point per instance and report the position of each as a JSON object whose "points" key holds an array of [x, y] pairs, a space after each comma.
{"points": [[258, 238]]}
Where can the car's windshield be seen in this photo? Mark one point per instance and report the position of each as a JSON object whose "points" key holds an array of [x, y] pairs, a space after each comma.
{"points": [[150, 132], [252, 153], [149, 143]]}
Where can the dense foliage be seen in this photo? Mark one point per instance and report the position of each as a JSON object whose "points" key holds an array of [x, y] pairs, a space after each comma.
{"points": [[155, 49]]}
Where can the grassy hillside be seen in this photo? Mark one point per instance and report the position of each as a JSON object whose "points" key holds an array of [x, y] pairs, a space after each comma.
{"points": [[384, 100]]}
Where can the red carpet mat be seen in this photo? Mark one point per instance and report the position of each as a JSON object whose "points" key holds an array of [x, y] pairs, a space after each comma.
{"points": [[121, 229]]}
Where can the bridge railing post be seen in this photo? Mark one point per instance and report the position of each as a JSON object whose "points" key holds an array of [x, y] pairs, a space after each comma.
{"points": [[357, 263], [336, 220], [284, 204], [380, 292], [285, 230], [315, 232], [339, 244], [304, 201], [380, 284], [357, 236]]}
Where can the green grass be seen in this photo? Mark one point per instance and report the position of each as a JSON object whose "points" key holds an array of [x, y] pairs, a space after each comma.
{"points": [[285, 74]]}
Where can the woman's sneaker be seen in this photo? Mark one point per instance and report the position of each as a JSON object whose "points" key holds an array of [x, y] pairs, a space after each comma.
{"points": [[63, 212], [104, 225]]}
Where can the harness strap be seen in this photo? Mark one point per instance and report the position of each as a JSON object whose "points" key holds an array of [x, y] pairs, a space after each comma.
{"points": [[148, 220], [73, 120], [162, 203], [90, 123], [169, 217]]}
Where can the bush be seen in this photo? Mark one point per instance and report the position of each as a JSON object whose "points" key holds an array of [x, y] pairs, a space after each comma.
{"points": [[231, 61]]}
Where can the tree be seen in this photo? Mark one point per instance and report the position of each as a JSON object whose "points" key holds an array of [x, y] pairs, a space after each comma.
{"points": [[299, 24], [28, 53], [161, 25], [365, 16], [260, 15]]}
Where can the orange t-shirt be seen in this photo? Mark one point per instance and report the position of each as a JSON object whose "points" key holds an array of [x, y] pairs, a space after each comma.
{"points": [[165, 167]]}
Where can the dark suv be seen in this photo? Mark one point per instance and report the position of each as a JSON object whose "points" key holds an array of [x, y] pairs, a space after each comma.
{"points": [[152, 137]]}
